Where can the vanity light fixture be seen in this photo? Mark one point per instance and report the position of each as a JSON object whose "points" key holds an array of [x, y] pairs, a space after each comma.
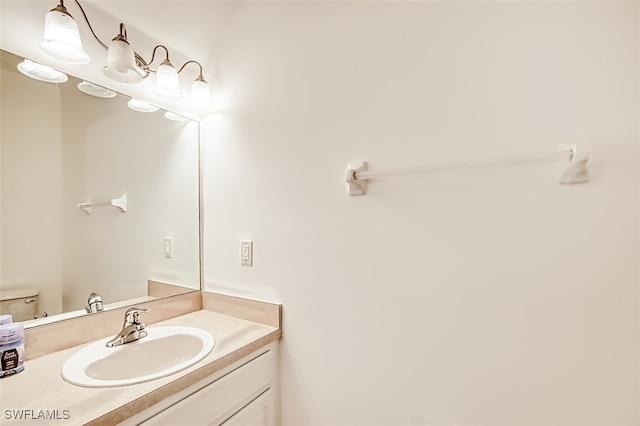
{"points": [[41, 72], [167, 80], [62, 38], [200, 93], [141, 106], [123, 63]]}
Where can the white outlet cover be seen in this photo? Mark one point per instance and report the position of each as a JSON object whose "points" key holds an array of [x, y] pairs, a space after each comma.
{"points": [[246, 252]]}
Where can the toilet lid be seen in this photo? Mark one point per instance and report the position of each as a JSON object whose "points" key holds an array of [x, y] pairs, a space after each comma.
{"points": [[17, 293]]}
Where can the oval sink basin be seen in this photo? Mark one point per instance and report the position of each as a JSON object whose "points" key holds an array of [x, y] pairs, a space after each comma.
{"points": [[164, 351]]}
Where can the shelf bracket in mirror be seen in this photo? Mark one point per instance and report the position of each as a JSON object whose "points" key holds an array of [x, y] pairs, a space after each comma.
{"points": [[119, 203]]}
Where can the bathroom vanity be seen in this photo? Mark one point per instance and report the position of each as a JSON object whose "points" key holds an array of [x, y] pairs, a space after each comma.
{"points": [[236, 383], [246, 392]]}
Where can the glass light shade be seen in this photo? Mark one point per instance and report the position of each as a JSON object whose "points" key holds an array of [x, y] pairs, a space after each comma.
{"points": [[121, 63], [141, 106], [200, 95], [167, 81], [41, 72], [62, 38]]}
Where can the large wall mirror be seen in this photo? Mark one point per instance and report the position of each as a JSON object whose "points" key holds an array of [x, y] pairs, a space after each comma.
{"points": [[62, 150]]}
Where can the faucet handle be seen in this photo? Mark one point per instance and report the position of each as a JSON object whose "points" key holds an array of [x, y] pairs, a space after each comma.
{"points": [[132, 315]]}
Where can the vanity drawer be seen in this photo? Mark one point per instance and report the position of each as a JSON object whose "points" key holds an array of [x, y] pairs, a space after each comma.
{"points": [[221, 399]]}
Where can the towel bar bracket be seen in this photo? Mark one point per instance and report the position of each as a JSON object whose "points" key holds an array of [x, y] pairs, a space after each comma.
{"points": [[119, 203], [354, 186]]}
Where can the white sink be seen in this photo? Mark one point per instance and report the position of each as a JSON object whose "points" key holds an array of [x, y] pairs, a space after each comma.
{"points": [[164, 351]]}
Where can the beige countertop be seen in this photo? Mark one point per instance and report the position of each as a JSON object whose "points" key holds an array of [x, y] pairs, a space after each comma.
{"points": [[41, 387]]}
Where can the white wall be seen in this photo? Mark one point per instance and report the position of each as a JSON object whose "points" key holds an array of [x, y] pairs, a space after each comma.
{"points": [[30, 228], [493, 298]]}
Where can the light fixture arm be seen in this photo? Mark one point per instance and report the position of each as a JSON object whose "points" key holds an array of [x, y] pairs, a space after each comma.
{"points": [[86, 19], [153, 54], [123, 32], [192, 62]]}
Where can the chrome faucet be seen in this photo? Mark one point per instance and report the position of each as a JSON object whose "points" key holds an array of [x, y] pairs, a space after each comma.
{"points": [[132, 329], [94, 304]]}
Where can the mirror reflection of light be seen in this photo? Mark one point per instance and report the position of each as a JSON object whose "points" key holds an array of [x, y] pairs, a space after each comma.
{"points": [[174, 117], [141, 106], [41, 72], [95, 90]]}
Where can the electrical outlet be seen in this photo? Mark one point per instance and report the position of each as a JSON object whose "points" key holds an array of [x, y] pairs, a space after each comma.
{"points": [[168, 247], [246, 252]]}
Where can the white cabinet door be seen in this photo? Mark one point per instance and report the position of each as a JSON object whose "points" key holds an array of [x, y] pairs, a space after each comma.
{"points": [[260, 412], [215, 403]]}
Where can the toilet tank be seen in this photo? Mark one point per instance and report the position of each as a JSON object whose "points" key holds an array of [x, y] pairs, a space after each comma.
{"points": [[22, 303]]}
